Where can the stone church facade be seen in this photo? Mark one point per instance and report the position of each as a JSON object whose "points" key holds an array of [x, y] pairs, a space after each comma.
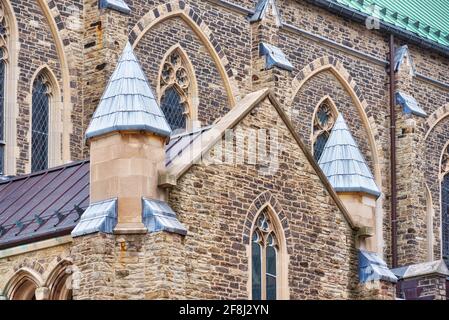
{"points": [[223, 149]]}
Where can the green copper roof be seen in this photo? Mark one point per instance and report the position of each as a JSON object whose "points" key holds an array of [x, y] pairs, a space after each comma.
{"points": [[429, 19]]}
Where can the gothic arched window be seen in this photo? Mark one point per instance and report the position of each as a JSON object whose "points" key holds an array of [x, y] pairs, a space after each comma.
{"points": [[40, 124], [323, 123], [445, 206], [175, 86], [264, 258], [3, 61], [445, 217], [2, 109]]}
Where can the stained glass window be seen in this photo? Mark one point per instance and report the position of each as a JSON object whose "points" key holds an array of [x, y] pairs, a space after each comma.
{"points": [[264, 259], [322, 127], [256, 268], [39, 133], [173, 109], [4, 41], [2, 110], [175, 86], [445, 217]]}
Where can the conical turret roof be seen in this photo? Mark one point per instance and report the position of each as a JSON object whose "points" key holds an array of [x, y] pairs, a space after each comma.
{"points": [[128, 103], [343, 163]]}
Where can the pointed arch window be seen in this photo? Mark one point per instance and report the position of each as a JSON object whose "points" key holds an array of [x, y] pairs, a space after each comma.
{"points": [[3, 66], [264, 258], [445, 206], [175, 87], [2, 108], [323, 123], [40, 124]]}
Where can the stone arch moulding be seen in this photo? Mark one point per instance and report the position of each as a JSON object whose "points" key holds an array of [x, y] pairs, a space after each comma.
{"points": [[282, 228], [14, 279], [264, 199], [334, 110], [441, 175], [56, 109], [63, 46], [193, 98], [55, 274], [12, 71], [338, 70], [435, 118], [188, 15], [442, 172], [429, 221]]}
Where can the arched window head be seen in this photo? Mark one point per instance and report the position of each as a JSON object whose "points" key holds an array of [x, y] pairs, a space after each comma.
{"points": [[175, 87], [40, 123], [4, 27], [264, 259], [60, 282], [445, 161], [323, 123]]}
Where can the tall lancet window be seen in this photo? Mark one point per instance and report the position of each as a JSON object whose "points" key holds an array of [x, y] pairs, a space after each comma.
{"points": [[264, 258], [3, 64], [323, 123], [445, 206], [40, 124], [175, 86], [2, 108]]}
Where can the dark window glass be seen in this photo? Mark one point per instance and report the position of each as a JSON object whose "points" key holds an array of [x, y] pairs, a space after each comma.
{"points": [[319, 145], [323, 116], [39, 133], [271, 273], [256, 270], [173, 109], [2, 111], [445, 217]]}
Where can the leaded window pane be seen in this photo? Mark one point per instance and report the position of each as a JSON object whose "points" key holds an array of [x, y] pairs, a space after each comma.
{"points": [[256, 270], [2, 111], [173, 109], [271, 273], [445, 217], [319, 145], [264, 262], [39, 133], [2, 96], [322, 127]]}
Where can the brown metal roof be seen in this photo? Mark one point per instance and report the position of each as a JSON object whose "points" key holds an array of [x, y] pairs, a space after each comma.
{"points": [[44, 204], [49, 203]]}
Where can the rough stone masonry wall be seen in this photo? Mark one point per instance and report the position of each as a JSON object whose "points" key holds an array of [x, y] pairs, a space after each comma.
{"points": [[156, 43], [372, 82], [427, 287], [213, 203], [37, 48], [307, 99], [105, 38], [41, 262], [229, 33], [367, 78], [130, 267]]}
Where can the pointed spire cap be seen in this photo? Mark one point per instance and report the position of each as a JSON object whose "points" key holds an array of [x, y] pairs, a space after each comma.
{"points": [[261, 10], [343, 163], [128, 103]]}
